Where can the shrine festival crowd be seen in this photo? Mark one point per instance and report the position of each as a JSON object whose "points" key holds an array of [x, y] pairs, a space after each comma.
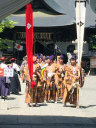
{"points": [[53, 80]]}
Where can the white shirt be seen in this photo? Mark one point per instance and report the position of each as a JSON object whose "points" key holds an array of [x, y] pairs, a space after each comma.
{"points": [[3, 66], [16, 67]]}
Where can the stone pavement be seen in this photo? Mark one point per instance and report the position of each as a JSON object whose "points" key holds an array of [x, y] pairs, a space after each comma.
{"points": [[14, 113]]}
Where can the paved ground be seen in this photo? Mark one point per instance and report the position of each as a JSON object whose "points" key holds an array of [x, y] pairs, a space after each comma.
{"points": [[14, 113]]}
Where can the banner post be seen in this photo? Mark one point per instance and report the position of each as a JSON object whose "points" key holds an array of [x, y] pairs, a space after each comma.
{"points": [[29, 40], [80, 7]]}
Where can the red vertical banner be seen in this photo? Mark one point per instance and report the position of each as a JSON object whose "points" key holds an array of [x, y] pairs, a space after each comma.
{"points": [[29, 40]]}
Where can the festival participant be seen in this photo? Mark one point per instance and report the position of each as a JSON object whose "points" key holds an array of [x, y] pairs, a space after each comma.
{"points": [[38, 89], [38, 59], [15, 65], [3, 60], [71, 83], [45, 62], [59, 77], [28, 91], [43, 73], [50, 92], [41, 59], [22, 68], [35, 94], [15, 83], [5, 82]]}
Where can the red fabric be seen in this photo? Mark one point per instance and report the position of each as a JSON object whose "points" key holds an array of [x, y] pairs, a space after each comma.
{"points": [[33, 84], [12, 59], [3, 58], [29, 40], [1, 72]]}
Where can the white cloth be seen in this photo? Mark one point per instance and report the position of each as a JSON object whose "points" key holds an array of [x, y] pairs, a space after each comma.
{"points": [[3, 66], [8, 72], [50, 74], [16, 67], [8, 80], [45, 65], [74, 70]]}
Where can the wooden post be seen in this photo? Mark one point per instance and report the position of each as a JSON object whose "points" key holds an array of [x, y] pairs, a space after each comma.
{"points": [[34, 47], [36, 92], [79, 56]]}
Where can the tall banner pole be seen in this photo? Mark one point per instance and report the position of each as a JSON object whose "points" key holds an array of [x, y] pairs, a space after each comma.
{"points": [[79, 42], [29, 40], [80, 7]]}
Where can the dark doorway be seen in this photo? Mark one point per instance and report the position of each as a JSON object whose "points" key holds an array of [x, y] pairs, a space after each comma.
{"points": [[70, 48]]}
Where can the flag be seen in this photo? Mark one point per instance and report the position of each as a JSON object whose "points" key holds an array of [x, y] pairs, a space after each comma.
{"points": [[80, 24], [29, 41], [19, 47], [42, 71]]}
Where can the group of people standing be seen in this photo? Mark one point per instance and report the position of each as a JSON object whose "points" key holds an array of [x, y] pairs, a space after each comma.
{"points": [[53, 80], [9, 84]]}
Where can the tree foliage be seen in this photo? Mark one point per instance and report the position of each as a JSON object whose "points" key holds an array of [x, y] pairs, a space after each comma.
{"points": [[6, 23], [3, 45], [92, 42]]}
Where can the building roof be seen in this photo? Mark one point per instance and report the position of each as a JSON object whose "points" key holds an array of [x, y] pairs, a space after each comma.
{"points": [[8, 7], [53, 5], [42, 18]]}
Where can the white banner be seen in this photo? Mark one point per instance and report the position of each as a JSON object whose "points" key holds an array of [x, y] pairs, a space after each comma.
{"points": [[8, 72], [80, 24]]}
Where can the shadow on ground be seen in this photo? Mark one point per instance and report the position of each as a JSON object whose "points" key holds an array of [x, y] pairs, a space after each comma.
{"points": [[89, 106], [14, 121], [10, 98]]}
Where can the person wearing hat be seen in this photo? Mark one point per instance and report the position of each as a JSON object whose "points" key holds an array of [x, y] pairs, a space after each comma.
{"points": [[41, 58], [5, 83], [44, 64], [37, 58], [3, 90], [59, 76], [15, 65], [34, 94], [71, 81], [15, 83], [2, 61]]}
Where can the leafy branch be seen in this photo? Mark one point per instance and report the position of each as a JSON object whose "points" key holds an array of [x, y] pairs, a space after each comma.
{"points": [[92, 42], [6, 23], [3, 45]]}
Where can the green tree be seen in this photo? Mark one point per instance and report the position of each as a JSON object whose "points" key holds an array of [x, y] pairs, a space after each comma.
{"points": [[92, 42], [6, 23], [3, 45]]}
